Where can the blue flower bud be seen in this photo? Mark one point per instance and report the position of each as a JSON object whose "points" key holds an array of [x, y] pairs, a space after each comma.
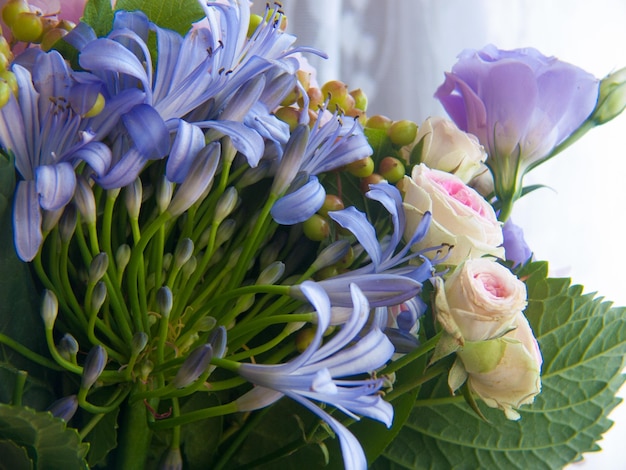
{"points": [[292, 158], [164, 194], [172, 460], [133, 195], [122, 257], [225, 204], [193, 367], [165, 301], [68, 347], [67, 224], [64, 408], [183, 252], [84, 200], [332, 254], [94, 365], [139, 342], [271, 274], [218, 341]]}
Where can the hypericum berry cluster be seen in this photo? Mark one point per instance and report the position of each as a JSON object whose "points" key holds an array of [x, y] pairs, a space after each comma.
{"points": [[8, 82], [30, 25]]}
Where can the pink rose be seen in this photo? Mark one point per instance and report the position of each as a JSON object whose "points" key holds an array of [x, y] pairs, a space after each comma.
{"points": [[461, 217]]}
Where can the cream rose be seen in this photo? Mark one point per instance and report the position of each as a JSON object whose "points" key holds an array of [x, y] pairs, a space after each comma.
{"points": [[461, 217], [505, 372], [443, 146], [483, 298]]}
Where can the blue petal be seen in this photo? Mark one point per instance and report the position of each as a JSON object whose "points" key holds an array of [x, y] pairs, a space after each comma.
{"points": [[97, 155], [148, 131], [168, 47], [55, 185], [246, 141], [80, 36], [389, 196], [123, 172], [26, 221], [188, 142], [299, 205], [356, 221]]}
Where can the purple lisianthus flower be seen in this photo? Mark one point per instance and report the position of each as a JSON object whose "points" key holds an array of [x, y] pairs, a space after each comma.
{"points": [[515, 247], [520, 104]]}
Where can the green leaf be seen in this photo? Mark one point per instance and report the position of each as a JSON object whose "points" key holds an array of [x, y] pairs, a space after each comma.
{"points": [[102, 438], [99, 15], [7, 180], [583, 342], [200, 439], [172, 14], [20, 321], [46, 439], [14, 456]]}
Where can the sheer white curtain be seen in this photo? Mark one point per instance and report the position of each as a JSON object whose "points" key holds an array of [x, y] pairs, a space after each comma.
{"points": [[397, 52]]}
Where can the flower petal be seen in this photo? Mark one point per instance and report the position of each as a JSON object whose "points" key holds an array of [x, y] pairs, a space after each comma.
{"points": [[55, 185], [188, 142], [356, 221], [148, 131], [300, 204], [27, 221], [246, 141]]}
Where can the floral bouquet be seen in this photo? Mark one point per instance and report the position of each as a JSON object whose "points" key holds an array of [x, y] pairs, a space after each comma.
{"points": [[209, 260]]}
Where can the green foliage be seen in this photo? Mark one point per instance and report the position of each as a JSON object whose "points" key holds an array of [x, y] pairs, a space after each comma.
{"points": [[171, 14], [99, 15], [31, 439], [20, 321], [7, 181], [103, 437], [583, 341]]}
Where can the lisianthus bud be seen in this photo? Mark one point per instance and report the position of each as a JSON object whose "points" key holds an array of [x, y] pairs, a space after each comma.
{"points": [[94, 365], [64, 408], [193, 367], [49, 309], [611, 98]]}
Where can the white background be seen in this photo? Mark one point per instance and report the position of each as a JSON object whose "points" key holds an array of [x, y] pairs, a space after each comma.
{"points": [[397, 52]]}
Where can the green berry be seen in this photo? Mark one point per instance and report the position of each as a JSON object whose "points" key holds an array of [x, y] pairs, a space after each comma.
{"points": [[304, 338], [97, 107], [5, 93], [27, 27], [255, 21], [346, 261], [13, 8], [9, 78], [392, 169], [316, 228], [50, 37], [360, 99], [402, 132], [361, 168], [379, 122], [338, 96], [289, 115]]}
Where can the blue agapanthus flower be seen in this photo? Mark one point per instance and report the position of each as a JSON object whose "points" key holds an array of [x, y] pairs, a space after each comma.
{"points": [[46, 129], [318, 374], [214, 78]]}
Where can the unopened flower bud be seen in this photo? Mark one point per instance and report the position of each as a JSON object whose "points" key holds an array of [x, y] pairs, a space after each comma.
{"points": [[94, 365], [225, 231], [225, 204], [164, 194], [332, 254], [271, 274], [98, 267], [165, 301], [67, 223], [167, 261], [64, 408], [139, 342], [98, 296], [254, 175], [218, 341], [172, 460], [68, 347], [292, 158], [193, 367], [611, 98], [122, 257], [189, 267], [146, 369], [133, 195], [206, 323], [49, 309], [50, 219], [242, 101], [183, 252], [198, 180], [84, 200]]}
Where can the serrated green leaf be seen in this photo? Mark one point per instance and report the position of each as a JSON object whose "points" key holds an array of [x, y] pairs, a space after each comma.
{"points": [[14, 456], [583, 342], [47, 440], [172, 14], [20, 321]]}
